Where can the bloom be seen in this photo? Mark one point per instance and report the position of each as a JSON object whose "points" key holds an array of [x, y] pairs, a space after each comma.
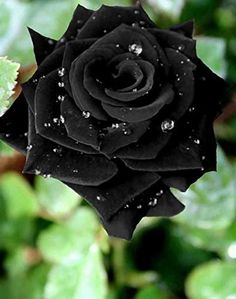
{"points": [[120, 111]]}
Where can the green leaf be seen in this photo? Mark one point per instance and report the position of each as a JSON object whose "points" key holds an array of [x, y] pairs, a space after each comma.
{"points": [[151, 292], [55, 198], [95, 4], [208, 197], [20, 199], [68, 242], [213, 53], [5, 149], [84, 279], [166, 7], [8, 75], [212, 280]]}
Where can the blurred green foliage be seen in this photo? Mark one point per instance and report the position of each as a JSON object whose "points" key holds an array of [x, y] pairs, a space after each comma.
{"points": [[52, 245]]}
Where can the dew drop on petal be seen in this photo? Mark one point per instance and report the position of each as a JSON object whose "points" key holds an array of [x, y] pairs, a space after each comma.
{"points": [[167, 125], [51, 42], [61, 72], [127, 132], [29, 147], [197, 141], [75, 170], [61, 84], [203, 158], [136, 49], [37, 172], [86, 114], [61, 98], [136, 12], [159, 193], [117, 45], [62, 119], [139, 207]]}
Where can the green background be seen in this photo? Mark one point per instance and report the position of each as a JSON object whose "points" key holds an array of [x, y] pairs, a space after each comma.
{"points": [[52, 245]]}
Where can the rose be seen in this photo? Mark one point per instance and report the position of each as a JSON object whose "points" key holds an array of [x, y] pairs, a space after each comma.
{"points": [[120, 111]]}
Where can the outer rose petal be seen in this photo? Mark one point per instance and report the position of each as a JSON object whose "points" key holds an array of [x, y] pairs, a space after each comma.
{"points": [[14, 125], [67, 165]]}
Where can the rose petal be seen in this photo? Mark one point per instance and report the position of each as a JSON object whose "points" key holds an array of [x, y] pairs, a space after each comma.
{"points": [[110, 197], [125, 134], [171, 39], [14, 125], [78, 127], [72, 51], [67, 165], [148, 71], [49, 64], [43, 45], [49, 122], [185, 28], [108, 18], [133, 114]]}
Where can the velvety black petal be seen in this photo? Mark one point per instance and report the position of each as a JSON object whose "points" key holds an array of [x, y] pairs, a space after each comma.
{"points": [[184, 84], [72, 51], [49, 122], [49, 64], [178, 42], [123, 223], [110, 197], [14, 125], [43, 45], [185, 28], [133, 114], [47, 158], [121, 135], [168, 205], [108, 18], [77, 126]]}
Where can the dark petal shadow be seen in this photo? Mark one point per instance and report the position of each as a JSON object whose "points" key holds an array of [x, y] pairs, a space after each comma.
{"points": [[185, 28], [14, 125], [109, 17], [137, 114], [50, 159], [78, 127], [110, 197], [49, 122], [43, 46]]}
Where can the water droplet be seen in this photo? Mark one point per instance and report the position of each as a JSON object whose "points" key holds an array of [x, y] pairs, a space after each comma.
{"points": [[37, 172], [139, 207], [93, 17], [46, 176], [191, 109], [141, 22], [159, 193], [61, 84], [100, 198], [202, 169], [182, 62], [47, 125], [180, 48], [61, 72], [62, 119], [187, 148], [51, 42], [62, 40], [197, 141], [7, 135], [181, 94], [75, 170], [104, 31], [135, 89], [29, 147], [126, 206], [26, 134], [57, 150], [115, 126], [203, 78], [117, 45], [136, 49], [178, 79], [136, 12], [86, 114], [188, 60], [127, 132], [203, 158], [35, 81], [167, 125]]}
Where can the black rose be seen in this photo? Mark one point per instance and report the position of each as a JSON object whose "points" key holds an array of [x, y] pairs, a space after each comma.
{"points": [[120, 111]]}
